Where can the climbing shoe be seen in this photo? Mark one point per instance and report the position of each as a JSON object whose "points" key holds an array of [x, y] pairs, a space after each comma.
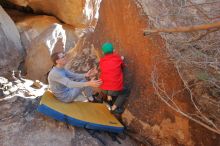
{"points": [[97, 98], [117, 111]]}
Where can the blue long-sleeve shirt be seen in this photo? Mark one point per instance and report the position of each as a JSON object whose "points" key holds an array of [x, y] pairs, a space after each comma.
{"points": [[61, 81]]}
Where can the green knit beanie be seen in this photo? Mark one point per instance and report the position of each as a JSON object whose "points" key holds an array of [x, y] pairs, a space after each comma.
{"points": [[107, 48]]}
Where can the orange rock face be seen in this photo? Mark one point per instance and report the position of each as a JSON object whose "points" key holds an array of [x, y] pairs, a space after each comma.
{"points": [[122, 23]]}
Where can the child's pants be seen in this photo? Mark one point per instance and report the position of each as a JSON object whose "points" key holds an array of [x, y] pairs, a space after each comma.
{"points": [[118, 97]]}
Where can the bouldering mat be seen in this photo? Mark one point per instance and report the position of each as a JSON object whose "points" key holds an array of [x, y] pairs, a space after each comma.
{"points": [[81, 114]]}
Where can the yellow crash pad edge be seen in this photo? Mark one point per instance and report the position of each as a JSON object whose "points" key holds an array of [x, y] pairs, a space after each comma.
{"points": [[86, 111]]}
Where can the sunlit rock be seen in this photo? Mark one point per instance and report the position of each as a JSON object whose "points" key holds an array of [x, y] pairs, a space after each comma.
{"points": [[38, 61], [11, 50], [31, 26], [83, 57], [20, 2], [78, 13], [41, 36], [21, 124]]}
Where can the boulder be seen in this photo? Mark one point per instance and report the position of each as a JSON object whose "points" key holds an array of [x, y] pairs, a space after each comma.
{"points": [[38, 61], [83, 57], [151, 120], [30, 26], [78, 13], [41, 36], [21, 124], [11, 50]]}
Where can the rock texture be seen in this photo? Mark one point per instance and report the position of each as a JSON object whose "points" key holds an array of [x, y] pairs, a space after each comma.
{"points": [[78, 13], [21, 124], [38, 61], [41, 36], [83, 57], [195, 53], [11, 50], [122, 23]]}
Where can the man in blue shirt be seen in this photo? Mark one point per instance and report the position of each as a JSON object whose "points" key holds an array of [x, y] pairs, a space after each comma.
{"points": [[68, 86]]}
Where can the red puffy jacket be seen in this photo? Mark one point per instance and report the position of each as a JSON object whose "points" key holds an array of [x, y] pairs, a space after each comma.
{"points": [[111, 72]]}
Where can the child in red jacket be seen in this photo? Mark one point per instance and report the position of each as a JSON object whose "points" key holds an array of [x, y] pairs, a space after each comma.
{"points": [[111, 66]]}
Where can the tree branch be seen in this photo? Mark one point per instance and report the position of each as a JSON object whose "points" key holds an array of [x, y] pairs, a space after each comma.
{"points": [[184, 29], [162, 94]]}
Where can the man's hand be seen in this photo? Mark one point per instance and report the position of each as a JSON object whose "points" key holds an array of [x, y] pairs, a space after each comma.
{"points": [[92, 72], [94, 83]]}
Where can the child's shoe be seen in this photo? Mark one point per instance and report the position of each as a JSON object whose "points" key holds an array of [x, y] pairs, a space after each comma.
{"points": [[97, 98], [117, 111]]}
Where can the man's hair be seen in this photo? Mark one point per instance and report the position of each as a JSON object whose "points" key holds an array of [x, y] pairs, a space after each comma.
{"points": [[54, 57]]}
